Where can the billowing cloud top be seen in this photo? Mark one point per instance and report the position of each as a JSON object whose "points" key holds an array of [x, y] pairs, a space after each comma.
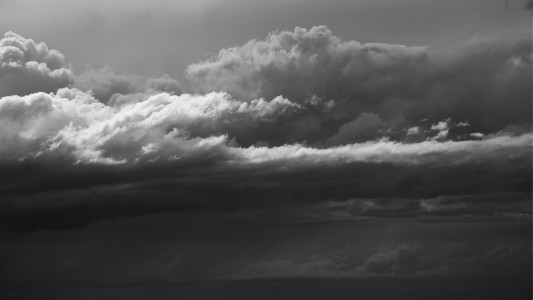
{"points": [[27, 67], [301, 100], [399, 84], [306, 62]]}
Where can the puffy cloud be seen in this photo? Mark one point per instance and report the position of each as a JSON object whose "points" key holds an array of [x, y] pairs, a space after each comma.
{"points": [[487, 82], [27, 67], [115, 89], [91, 131], [164, 84], [115, 139], [104, 83], [302, 63]]}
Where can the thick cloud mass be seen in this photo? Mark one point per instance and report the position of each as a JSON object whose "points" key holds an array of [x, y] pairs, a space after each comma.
{"points": [[166, 145], [108, 87], [104, 83], [306, 62], [487, 82], [335, 114], [27, 67], [300, 156], [73, 123]]}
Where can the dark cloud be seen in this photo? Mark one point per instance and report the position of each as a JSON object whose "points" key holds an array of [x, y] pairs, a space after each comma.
{"points": [[303, 63], [211, 175], [177, 247], [104, 83], [108, 87], [487, 82], [27, 67], [322, 158]]}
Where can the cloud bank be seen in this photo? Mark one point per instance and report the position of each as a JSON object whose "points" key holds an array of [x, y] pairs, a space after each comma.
{"points": [[304, 106], [300, 155], [487, 82], [168, 145]]}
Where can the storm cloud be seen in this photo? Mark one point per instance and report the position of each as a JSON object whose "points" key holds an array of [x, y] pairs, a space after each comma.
{"points": [[168, 145], [486, 81], [298, 156]]}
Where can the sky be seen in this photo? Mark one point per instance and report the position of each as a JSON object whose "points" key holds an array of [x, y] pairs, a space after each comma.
{"points": [[266, 150], [161, 36]]}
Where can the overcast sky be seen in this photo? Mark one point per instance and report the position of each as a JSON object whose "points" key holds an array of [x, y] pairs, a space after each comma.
{"points": [[266, 149]]}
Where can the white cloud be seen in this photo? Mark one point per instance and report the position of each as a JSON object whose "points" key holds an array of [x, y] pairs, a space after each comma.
{"points": [[165, 126], [27, 67], [91, 131], [304, 62]]}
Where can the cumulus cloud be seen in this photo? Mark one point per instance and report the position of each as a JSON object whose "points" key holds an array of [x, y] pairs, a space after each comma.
{"points": [[302, 63], [104, 83], [27, 67], [396, 261], [165, 84], [75, 122], [487, 83], [115, 89]]}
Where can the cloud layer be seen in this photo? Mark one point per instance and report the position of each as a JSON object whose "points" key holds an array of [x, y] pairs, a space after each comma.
{"points": [[298, 156], [167, 145], [299, 107]]}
